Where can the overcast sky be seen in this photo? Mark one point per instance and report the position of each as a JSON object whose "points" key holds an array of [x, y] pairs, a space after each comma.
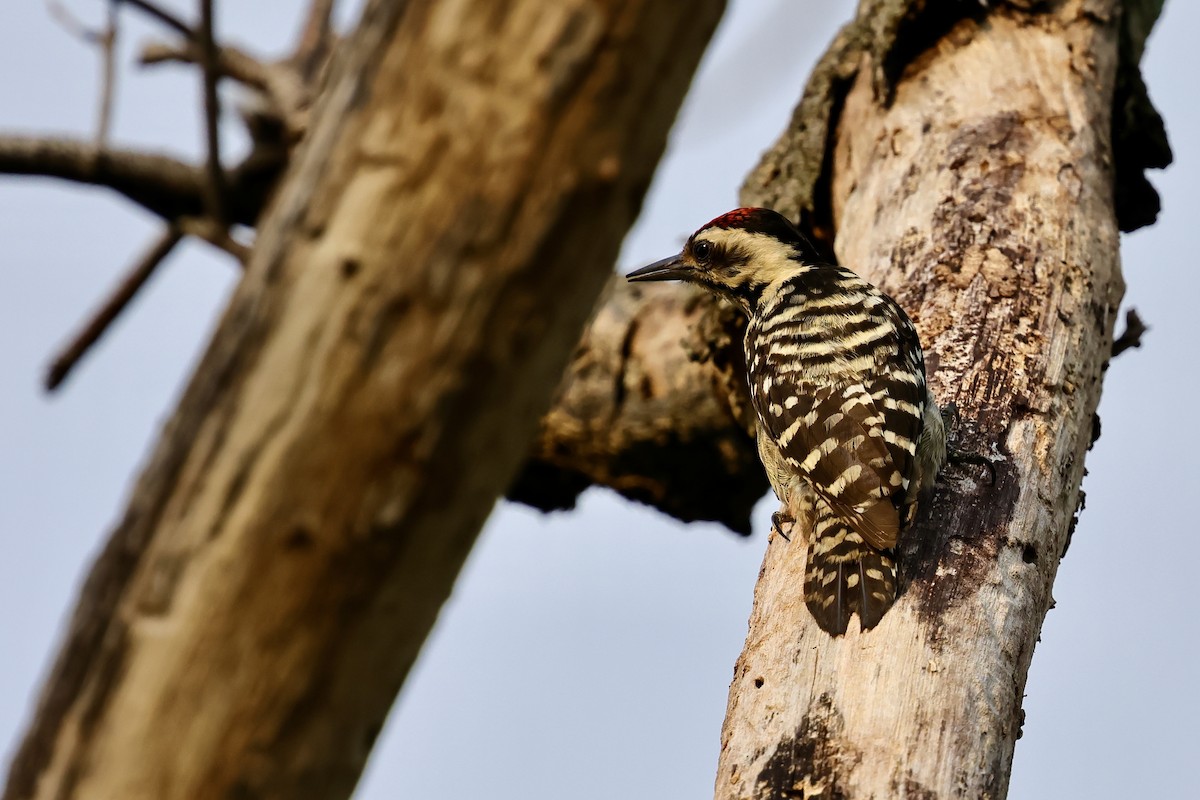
{"points": [[587, 655]]}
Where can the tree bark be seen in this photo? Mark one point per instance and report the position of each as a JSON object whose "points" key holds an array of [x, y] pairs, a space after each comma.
{"points": [[967, 167], [288, 545], [653, 406], [412, 300]]}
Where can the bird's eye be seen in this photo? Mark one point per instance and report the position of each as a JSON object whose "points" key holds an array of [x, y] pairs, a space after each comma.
{"points": [[702, 251]]}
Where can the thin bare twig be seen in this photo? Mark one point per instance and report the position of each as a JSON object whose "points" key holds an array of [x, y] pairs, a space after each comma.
{"points": [[191, 199], [62, 365], [105, 38], [71, 23], [285, 93], [212, 113], [231, 62], [108, 76], [162, 15], [1132, 335]]}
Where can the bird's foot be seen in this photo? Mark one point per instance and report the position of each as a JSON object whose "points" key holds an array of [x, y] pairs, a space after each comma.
{"points": [[957, 458], [777, 522]]}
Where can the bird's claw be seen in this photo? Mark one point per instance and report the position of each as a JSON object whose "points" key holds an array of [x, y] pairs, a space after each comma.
{"points": [[958, 458], [951, 418], [777, 520]]}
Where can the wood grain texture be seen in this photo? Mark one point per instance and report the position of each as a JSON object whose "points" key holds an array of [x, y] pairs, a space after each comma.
{"points": [[653, 405], [981, 196], [414, 295]]}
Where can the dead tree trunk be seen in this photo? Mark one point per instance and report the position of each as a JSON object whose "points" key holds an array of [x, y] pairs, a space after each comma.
{"points": [[380, 370], [965, 165], [415, 292]]}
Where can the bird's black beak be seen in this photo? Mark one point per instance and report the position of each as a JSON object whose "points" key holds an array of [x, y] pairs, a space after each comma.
{"points": [[668, 269]]}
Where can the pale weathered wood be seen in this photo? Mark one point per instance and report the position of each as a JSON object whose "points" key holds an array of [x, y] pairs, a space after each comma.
{"points": [[981, 197], [416, 290]]}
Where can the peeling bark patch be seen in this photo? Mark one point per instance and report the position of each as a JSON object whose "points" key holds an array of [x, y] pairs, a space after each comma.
{"points": [[812, 763], [919, 31], [648, 408], [976, 222], [947, 555]]}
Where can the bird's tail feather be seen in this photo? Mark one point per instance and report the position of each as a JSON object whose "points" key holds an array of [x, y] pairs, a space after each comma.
{"points": [[845, 575]]}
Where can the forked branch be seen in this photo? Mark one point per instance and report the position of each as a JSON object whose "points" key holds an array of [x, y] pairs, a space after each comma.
{"points": [[202, 201]]}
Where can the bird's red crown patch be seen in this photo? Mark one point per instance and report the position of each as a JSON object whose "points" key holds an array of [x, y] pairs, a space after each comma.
{"points": [[738, 218]]}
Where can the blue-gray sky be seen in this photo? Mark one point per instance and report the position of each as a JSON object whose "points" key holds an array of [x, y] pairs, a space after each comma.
{"points": [[588, 654]]}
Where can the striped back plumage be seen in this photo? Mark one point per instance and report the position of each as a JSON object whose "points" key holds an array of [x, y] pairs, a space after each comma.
{"points": [[837, 379]]}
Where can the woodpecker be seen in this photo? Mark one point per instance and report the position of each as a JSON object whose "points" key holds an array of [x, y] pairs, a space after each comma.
{"points": [[848, 432]]}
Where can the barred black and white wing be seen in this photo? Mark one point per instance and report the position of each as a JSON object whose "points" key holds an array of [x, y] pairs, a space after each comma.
{"points": [[837, 377], [838, 383]]}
